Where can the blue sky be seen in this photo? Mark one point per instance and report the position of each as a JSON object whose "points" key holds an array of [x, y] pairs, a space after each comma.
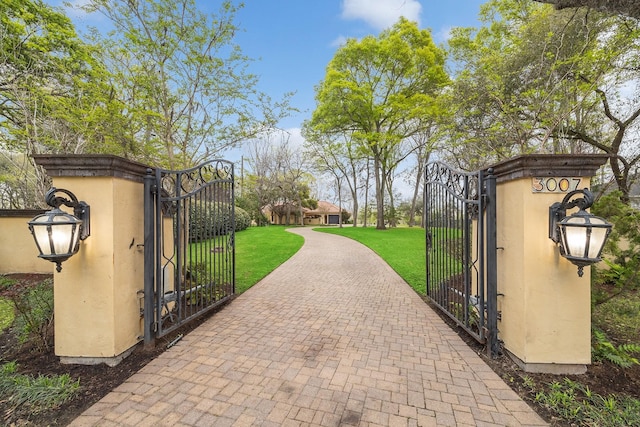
{"points": [[292, 41]]}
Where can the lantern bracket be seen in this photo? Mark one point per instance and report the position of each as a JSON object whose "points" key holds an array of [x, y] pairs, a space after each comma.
{"points": [[81, 210], [558, 210]]}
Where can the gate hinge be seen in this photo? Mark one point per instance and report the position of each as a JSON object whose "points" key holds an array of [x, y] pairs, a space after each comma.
{"points": [[140, 295]]}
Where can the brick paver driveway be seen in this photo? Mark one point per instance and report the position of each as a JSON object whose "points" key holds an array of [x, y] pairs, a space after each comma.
{"points": [[332, 337]]}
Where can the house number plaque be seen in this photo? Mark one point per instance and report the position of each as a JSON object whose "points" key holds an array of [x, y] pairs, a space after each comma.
{"points": [[554, 184]]}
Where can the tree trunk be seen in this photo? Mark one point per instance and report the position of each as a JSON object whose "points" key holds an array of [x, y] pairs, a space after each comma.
{"points": [[393, 221], [354, 196], [379, 193], [416, 190], [619, 7], [366, 196]]}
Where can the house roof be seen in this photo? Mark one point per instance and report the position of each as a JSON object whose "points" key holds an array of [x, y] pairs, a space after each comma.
{"points": [[324, 208]]}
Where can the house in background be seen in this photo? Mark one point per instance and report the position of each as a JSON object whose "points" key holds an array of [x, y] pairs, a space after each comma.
{"points": [[325, 214]]}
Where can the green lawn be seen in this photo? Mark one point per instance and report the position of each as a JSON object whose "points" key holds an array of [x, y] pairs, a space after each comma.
{"points": [[259, 250], [6, 314], [402, 248]]}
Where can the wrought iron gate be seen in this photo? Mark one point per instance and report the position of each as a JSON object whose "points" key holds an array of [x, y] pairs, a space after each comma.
{"points": [[460, 223], [189, 244]]}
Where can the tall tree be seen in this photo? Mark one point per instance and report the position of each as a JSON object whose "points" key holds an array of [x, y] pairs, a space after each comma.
{"points": [[182, 77], [279, 178], [538, 80], [53, 97], [375, 88], [338, 156], [622, 7], [424, 144]]}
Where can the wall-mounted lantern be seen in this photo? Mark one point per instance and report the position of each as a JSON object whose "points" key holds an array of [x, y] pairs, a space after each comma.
{"points": [[57, 233], [581, 236]]}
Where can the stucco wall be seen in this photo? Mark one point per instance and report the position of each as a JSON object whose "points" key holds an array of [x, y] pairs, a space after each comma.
{"points": [[544, 305], [97, 301], [18, 251], [97, 310]]}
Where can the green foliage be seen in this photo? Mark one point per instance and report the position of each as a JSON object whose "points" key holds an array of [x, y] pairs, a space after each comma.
{"points": [[54, 94], [6, 283], [620, 313], [184, 78], [200, 285], [535, 79], [208, 220], [622, 355], [243, 220], [622, 250], [576, 404], [37, 393], [211, 219], [345, 216], [380, 91], [249, 203], [6, 314], [34, 318]]}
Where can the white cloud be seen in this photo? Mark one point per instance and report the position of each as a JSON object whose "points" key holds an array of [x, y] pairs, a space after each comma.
{"points": [[339, 41], [295, 138], [381, 14], [443, 35]]}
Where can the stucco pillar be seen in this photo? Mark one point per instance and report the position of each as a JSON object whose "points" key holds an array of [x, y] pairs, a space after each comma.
{"points": [[96, 300], [545, 307]]}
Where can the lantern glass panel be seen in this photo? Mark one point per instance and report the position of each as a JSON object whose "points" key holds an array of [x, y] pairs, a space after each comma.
{"points": [[575, 236], [599, 234], [62, 228]]}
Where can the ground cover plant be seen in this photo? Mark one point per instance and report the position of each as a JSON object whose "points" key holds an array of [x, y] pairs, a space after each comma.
{"points": [[607, 395], [26, 316]]}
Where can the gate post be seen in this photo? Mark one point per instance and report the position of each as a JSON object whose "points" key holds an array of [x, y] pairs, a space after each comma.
{"points": [[97, 293], [491, 264], [544, 306], [149, 258]]}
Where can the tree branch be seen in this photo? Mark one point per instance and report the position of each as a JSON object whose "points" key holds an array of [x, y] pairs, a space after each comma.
{"points": [[619, 7]]}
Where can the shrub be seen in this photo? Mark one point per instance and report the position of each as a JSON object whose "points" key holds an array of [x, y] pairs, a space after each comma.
{"points": [[622, 355], [622, 250], [34, 319], [210, 219], [243, 219]]}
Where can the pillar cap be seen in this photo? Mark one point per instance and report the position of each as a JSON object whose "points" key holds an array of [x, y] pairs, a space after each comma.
{"points": [[542, 165], [86, 165]]}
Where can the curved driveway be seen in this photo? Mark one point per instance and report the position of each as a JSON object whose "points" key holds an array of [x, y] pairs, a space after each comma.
{"points": [[332, 337]]}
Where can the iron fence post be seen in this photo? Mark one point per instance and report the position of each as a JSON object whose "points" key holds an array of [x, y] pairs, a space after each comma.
{"points": [[149, 258], [491, 263]]}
